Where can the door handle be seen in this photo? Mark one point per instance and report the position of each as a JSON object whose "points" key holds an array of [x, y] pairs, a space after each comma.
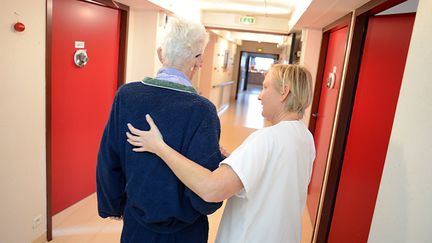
{"points": [[331, 79], [81, 58]]}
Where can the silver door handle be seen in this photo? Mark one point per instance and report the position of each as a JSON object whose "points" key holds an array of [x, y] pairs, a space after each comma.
{"points": [[81, 58]]}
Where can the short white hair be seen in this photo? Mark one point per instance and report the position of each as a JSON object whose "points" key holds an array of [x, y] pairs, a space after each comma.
{"points": [[183, 41]]}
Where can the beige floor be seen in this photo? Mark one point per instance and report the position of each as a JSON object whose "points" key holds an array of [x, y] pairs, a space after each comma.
{"points": [[81, 224]]}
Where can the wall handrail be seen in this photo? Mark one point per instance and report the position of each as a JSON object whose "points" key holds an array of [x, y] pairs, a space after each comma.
{"points": [[223, 84]]}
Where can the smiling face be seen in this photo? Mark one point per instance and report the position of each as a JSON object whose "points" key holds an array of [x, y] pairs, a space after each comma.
{"points": [[271, 99]]}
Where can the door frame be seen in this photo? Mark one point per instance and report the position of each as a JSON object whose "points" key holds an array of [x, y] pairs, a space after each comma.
{"points": [[344, 111], [239, 71], [248, 55], [121, 78], [338, 24], [345, 21]]}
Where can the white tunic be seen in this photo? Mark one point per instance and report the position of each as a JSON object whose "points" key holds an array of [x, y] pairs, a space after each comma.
{"points": [[274, 165]]}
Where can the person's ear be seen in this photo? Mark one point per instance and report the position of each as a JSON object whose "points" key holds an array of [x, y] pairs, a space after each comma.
{"points": [[199, 60], [159, 53], [285, 92]]}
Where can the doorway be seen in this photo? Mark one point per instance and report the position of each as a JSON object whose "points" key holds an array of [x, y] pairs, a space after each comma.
{"points": [[252, 69], [86, 45], [325, 115], [371, 124], [374, 70]]}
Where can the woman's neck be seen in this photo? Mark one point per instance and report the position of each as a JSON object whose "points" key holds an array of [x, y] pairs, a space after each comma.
{"points": [[285, 116]]}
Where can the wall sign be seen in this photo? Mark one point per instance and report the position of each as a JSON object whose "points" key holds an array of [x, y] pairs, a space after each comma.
{"points": [[247, 20], [79, 44]]}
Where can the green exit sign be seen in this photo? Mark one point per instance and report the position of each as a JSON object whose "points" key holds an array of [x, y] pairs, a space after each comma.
{"points": [[247, 20]]}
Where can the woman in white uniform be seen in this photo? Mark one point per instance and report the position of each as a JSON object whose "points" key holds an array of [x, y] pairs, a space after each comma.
{"points": [[266, 178]]}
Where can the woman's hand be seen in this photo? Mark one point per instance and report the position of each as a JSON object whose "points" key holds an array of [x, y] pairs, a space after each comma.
{"points": [[145, 141]]}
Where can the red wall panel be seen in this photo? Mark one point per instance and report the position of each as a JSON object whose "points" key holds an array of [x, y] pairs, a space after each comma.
{"points": [[81, 97], [380, 77]]}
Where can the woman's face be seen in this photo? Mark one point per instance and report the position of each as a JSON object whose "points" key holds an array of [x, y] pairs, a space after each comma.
{"points": [[271, 99]]}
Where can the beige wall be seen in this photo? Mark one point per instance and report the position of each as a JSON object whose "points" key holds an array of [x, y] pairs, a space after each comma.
{"points": [[311, 45], [403, 212], [213, 71], [220, 95], [205, 82], [22, 121], [144, 30], [221, 74]]}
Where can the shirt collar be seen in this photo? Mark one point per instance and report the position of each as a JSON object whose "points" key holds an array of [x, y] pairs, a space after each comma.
{"points": [[168, 85], [173, 75]]}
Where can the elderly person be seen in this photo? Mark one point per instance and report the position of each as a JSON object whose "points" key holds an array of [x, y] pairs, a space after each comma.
{"points": [[267, 177], [154, 205]]}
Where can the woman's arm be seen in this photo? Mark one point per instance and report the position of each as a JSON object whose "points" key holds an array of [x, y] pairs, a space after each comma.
{"points": [[210, 186]]}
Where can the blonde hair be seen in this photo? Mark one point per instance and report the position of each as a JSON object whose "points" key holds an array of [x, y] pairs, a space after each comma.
{"points": [[299, 81]]}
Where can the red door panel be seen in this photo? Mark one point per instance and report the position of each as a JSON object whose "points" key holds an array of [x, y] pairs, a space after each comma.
{"points": [[81, 97], [380, 77], [326, 112]]}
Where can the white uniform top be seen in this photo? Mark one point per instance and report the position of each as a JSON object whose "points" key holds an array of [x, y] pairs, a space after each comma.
{"points": [[274, 165]]}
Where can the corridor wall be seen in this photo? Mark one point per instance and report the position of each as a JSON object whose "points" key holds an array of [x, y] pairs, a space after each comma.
{"points": [[22, 122]]}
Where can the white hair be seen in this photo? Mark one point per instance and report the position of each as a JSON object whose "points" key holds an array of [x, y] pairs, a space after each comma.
{"points": [[183, 41]]}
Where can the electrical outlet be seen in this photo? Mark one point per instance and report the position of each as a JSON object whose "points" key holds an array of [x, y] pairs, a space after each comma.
{"points": [[37, 221]]}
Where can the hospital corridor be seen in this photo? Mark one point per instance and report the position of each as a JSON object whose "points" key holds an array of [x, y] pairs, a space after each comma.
{"points": [[369, 116]]}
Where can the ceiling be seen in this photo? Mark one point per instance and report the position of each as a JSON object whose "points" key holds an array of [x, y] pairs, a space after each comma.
{"points": [[268, 13], [288, 15], [234, 36], [277, 17], [266, 8]]}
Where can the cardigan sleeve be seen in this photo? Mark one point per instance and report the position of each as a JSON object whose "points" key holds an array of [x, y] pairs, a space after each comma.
{"points": [[204, 150], [110, 177]]}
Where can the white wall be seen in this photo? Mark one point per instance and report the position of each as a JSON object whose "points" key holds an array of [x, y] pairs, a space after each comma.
{"points": [[403, 210], [220, 96], [142, 44], [219, 74], [22, 121]]}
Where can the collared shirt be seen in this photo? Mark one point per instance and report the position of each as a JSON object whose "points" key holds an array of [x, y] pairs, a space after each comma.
{"points": [[173, 75]]}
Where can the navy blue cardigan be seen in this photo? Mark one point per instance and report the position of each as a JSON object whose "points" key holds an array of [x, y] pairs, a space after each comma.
{"points": [[141, 181]]}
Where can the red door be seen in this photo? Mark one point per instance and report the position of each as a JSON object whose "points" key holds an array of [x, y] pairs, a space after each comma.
{"points": [[81, 97], [380, 77], [326, 112]]}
